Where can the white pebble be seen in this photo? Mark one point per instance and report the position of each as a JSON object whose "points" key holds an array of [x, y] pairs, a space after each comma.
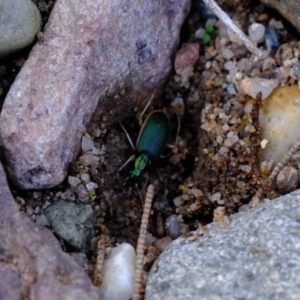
{"points": [[200, 33], [256, 32], [37, 195], [177, 201], [118, 274], [86, 144], [215, 197], [263, 143], [245, 168], [73, 181], [227, 53], [223, 150], [29, 211], [252, 86], [91, 186], [42, 220], [85, 177]]}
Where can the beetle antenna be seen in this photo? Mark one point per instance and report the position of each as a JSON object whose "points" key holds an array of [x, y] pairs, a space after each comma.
{"points": [[146, 107], [132, 157], [128, 137], [138, 281]]}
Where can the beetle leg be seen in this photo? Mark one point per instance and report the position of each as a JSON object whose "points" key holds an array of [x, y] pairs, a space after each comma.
{"points": [[127, 162], [145, 109], [128, 136]]}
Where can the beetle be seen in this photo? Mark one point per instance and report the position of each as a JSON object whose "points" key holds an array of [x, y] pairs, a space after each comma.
{"points": [[151, 142]]}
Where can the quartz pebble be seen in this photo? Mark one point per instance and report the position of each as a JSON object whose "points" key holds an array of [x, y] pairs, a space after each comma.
{"points": [[118, 273], [253, 86], [42, 220], [86, 144], [73, 181], [256, 32]]}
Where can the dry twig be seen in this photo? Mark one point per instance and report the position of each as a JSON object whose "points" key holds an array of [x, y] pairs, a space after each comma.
{"points": [[138, 281], [212, 4]]}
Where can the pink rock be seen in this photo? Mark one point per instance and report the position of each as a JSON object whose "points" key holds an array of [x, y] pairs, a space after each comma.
{"points": [[186, 56], [33, 266], [93, 52]]}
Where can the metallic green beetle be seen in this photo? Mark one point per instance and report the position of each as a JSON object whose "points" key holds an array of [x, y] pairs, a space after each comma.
{"points": [[151, 142]]}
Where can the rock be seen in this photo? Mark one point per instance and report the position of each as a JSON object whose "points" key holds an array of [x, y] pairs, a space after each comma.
{"points": [[72, 222], [271, 38], [253, 86], [173, 226], [33, 266], [256, 32], [296, 70], [86, 144], [20, 21], [289, 9], [42, 220], [279, 121], [287, 179], [118, 273], [186, 56], [93, 52], [256, 257]]}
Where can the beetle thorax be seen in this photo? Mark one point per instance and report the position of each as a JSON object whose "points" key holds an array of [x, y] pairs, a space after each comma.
{"points": [[139, 165]]}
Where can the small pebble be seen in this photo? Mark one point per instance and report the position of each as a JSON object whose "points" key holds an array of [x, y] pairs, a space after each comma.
{"points": [[177, 201], [42, 220], [287, 179], [91, 186], [227, 53], [163, 243], [67, 194], [85, 178], [82, 193], [200, 33], [29, 210], [37, 195], [296, 70], [252, 86], [173, 226], [86, 144], [271, 38], [215, 197], [256, 32], [73, 181]]}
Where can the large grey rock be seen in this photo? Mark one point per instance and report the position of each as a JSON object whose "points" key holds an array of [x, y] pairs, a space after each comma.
{"points": [[72, 222], [257, 257], [106, 52], [20, 20], [289, 9], [32, 264]]}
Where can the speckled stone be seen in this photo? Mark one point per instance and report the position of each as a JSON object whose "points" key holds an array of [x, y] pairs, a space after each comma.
{"points": [[72, 222], [256, 257]]}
